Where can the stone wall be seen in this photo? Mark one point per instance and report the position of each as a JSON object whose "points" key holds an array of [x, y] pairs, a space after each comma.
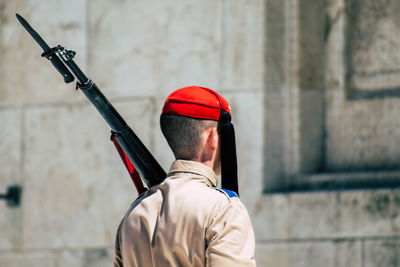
{"points": [[55, 144], [333, 132], [283, 67]]}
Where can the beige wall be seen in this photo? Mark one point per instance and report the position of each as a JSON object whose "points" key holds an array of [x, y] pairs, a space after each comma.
{"points": [[268, 58], [75, 188], [330, 132]]}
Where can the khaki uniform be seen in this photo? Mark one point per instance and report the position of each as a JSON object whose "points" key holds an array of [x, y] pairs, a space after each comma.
{"points": [[186, 221]]}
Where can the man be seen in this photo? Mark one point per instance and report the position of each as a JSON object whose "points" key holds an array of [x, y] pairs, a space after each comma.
{"points": [[187, 220]]}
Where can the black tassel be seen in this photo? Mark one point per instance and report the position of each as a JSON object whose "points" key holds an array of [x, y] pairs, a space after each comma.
{"points": [[229, 177]]}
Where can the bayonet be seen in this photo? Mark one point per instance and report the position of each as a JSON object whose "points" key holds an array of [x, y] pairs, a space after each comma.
{"points": [[62, 69]]}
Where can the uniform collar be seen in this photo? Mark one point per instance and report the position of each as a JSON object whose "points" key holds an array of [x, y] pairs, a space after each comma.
{"points": [[187, 166]]}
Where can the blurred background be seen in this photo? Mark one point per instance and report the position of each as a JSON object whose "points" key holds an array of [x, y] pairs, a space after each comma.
{"points": [[314, 88]]}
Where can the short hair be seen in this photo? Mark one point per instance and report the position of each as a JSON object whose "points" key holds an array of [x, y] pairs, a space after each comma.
{"points": [[183, 134]]}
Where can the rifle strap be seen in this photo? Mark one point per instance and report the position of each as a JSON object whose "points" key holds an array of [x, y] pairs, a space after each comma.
{"points": [[129, 166]]}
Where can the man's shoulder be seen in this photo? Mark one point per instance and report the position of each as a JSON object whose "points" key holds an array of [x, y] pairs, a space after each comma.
{"points": [[228, 193], [216, 198]]}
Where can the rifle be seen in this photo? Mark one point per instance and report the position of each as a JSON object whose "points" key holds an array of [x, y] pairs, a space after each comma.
{"points": [[129, 146]]}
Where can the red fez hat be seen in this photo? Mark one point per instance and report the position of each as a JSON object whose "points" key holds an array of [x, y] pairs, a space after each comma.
{"points": [[196, 102], [204, 103]]}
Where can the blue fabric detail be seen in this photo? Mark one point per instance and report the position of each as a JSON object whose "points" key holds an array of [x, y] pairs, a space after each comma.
{"points": [[229, 193]]}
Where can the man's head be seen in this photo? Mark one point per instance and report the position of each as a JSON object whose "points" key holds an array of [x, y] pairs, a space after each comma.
{"points": [[184, 134], [196, 122]]}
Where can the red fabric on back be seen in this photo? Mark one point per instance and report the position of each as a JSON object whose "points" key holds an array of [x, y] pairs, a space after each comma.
{"points": [[129, 166], [197, 102]]}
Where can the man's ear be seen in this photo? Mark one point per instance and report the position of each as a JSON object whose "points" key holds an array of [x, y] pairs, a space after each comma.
{"points": [[212, 137]]}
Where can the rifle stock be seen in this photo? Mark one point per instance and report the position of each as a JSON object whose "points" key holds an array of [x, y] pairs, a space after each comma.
{"points": [[148, 167]]}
